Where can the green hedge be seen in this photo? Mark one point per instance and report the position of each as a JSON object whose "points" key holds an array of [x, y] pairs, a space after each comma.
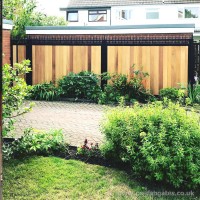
{"points": [[162, 143]]}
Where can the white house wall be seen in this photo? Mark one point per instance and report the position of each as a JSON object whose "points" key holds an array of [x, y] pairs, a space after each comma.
{"points": [[167, 14]]}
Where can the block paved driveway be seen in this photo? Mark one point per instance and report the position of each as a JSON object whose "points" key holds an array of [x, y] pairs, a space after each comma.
{"points": [[77, 120]]}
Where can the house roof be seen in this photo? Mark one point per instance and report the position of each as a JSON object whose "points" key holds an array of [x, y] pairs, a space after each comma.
{"points": [[129, 29], [5, 21], [143, 26], [73, 4]]}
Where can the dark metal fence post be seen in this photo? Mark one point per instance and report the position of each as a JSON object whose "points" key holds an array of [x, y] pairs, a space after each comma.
{"points": [[196, 47], [104, 62], [29, 57], [191, 62]]}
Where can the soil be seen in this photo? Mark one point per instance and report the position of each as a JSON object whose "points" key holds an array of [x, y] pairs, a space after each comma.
{"points": [[96, 160]]}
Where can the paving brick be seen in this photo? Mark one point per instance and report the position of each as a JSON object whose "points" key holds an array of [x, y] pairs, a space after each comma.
{"points": [[77, 120]]}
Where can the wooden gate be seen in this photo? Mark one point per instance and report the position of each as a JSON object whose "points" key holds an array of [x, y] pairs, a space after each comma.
{"points": [[165, 57]]}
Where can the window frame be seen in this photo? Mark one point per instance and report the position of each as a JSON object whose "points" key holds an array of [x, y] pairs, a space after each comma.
{"points": [[75, 11], [96, 13]]}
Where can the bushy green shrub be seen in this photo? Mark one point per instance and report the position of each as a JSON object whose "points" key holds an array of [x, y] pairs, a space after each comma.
{"points": [[162, 143], [37, 143], [45, 91], [174, 94], [84, 85], [120, 86]]}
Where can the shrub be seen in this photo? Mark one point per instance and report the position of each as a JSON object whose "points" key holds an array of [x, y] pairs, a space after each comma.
{"points": [[15, 90], [174, 94], [120, 86], [83, 85], [45, 91], [160, 143], [37, 143]]}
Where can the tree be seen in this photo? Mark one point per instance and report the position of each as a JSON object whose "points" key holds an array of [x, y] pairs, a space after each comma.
{"points": [[41, 19], [15, 90], [189, 14], [23, 13]]}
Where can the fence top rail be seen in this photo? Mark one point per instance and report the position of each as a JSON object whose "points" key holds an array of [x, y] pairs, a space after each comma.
{"points": [[112, 39]]}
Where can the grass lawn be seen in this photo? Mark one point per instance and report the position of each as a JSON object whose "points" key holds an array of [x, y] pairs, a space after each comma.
{"points": [[50, 178]]}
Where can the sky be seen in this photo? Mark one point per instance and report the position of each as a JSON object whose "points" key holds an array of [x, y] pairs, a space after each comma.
{"points": [[51, 7]]}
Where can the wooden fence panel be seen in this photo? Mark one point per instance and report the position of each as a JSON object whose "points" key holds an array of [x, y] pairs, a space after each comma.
{"points": [[19, 53], [96, 59], [166, 65], [62, 61], [41, 64], [14, 56], [49, 63], [80, 58]]}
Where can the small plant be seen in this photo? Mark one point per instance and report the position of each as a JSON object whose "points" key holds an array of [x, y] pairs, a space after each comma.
{"points": [[89, 150], [174, 94], [119, 85], [37, 143], [84, 85], [45, 91], [194, 93], [7, 151]]}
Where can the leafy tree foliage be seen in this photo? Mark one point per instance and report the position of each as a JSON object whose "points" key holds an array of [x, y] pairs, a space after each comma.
{"points": [[23, 13], [15, 90]]}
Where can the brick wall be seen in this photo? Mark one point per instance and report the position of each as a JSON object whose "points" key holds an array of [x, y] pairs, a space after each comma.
{"points": [[6, 47]]}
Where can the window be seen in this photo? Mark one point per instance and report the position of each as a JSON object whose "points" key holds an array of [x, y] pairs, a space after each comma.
{"points": [[72, 16], [180, 13], [189, 12], [97, 16], [123, 14], [152, 13]]}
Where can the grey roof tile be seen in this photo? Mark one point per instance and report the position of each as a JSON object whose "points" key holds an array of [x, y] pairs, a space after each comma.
{"points": [[108, 3]]}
